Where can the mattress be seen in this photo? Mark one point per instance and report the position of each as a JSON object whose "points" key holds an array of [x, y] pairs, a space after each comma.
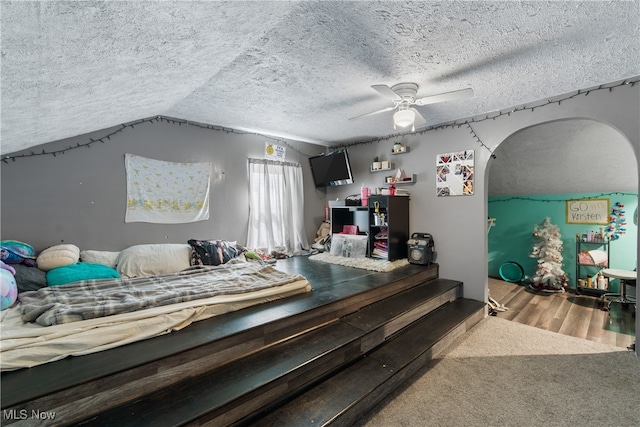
{"points": [[28, 344]]}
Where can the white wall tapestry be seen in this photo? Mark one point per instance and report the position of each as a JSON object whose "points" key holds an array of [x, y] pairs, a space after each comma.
{"points": [[454, 173], [166, 192]]}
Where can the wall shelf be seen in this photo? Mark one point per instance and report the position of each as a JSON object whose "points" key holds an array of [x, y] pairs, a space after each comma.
{"points": [[408, 182], [404, 151], [372, 170]]}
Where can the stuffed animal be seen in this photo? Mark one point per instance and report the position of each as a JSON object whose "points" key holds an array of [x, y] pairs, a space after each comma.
{"points": [[15, 252], [8, 286], [323, 236], [323, 231]]}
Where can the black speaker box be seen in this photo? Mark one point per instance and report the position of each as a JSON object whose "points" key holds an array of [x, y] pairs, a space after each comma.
{"points": [[420, 249]]}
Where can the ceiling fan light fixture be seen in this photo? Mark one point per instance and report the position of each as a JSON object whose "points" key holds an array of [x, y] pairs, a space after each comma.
{"points": [[404, 118]]}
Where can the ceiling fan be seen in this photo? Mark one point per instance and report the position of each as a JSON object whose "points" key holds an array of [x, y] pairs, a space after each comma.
{"points": [[404, 98]]}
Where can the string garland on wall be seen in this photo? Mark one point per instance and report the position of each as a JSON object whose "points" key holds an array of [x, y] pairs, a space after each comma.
{"points": [[617, 220], [154, 119], [88, 144], [237, 132], [453, 124], [533, 199], [475, 135]]}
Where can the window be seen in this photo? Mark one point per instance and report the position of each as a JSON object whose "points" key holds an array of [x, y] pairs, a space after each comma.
{"points": [[276, 206]]}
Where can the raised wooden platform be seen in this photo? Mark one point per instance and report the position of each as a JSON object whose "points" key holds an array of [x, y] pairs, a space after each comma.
{"points": [[242, 367]]}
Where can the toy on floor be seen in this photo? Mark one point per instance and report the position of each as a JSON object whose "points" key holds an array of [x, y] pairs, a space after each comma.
{"points": [[260, 255], [8, 286], [323, 231], [495, 307], [322, 236]]}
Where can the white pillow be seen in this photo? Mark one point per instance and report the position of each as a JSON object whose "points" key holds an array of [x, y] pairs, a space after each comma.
{"points": [[58, 256], [100, 257], [148, 260]]}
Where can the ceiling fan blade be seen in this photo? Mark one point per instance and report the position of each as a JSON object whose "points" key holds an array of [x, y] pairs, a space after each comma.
{"points": [[387, 92], [420, 120], [443, 97], [373, 113]]}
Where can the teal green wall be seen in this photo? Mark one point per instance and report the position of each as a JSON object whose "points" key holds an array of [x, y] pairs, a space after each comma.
{"points": [[511, 238]]}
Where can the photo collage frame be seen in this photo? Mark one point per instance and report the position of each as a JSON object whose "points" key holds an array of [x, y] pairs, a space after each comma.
{"points": [[454, 173]]}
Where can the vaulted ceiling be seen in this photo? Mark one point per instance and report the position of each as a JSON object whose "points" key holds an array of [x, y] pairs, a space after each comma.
{"points": [[566, 156], [295, 69]]}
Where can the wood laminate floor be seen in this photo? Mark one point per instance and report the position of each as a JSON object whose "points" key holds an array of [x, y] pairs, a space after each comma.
{"points": [[566, 313]]}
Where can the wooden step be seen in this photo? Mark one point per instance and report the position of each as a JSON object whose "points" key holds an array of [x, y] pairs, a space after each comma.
{"points": [[382, 319], [345, 397], [244, 387], [77, 388]]}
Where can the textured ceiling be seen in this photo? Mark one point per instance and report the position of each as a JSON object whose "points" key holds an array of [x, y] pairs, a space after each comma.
{"points": [[567, 156], [295, 69]]}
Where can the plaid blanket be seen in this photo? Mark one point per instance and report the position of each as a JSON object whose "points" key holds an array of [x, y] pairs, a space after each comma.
{"points": [[97, 298]]}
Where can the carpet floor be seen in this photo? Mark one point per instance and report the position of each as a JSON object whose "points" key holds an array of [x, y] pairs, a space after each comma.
{"points": [[503, 373]]}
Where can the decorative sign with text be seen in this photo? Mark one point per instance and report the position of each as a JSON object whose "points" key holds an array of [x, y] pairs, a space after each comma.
{"points": [[274, 152], [588, 211]]}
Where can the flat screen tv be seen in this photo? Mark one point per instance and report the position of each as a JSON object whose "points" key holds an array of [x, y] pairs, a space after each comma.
{"points": [[331, 169]]}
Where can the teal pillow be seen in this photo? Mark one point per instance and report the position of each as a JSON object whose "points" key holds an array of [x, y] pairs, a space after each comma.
{"points": [[79, 271]]}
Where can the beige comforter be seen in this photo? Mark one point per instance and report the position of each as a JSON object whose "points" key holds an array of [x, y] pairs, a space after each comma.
{"points": [[28, 344]]}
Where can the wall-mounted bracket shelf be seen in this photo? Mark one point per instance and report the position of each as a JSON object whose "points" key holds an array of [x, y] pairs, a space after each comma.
{"points": [[406, 182], [404, 150], [372, 170]]}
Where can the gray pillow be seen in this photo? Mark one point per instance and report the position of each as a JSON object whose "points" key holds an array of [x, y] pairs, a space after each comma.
{"points": [[29, 278]]}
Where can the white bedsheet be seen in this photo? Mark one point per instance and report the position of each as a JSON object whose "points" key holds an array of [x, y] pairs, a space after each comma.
{"points": [[26, 344]]}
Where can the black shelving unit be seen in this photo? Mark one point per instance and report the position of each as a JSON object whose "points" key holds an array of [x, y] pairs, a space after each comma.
{"points": [[350, 215], [388, 226], [581, 268], [386, 240]]}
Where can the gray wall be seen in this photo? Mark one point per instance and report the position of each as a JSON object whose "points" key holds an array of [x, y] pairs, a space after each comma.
{"points": [[80, 197]]}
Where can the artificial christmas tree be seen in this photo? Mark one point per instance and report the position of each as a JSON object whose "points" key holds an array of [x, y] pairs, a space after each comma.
{"points": [[547, 248]]}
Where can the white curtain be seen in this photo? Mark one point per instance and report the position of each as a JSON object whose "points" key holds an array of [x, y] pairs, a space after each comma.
{"points": [[276, 206]]}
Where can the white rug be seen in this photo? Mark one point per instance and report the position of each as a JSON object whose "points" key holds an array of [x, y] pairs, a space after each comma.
{"points": [[372, 264]]}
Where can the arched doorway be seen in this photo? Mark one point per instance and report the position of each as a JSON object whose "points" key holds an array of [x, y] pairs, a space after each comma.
{"points": [[537, 168]]}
